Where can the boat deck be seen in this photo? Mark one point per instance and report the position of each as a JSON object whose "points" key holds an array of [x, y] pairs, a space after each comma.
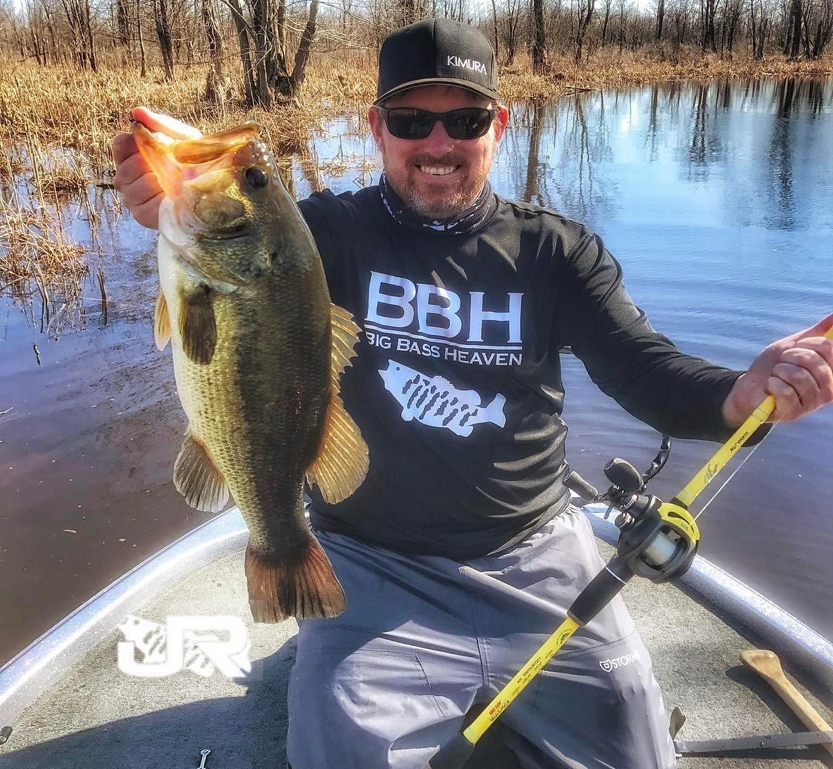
{"points": [[96, 716]]}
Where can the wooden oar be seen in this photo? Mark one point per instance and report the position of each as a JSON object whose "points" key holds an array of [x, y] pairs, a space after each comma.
{"points": [[768, 666]]}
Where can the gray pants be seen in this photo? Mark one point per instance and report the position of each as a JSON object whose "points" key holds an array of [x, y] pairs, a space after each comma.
{"points": [[426, 639]]}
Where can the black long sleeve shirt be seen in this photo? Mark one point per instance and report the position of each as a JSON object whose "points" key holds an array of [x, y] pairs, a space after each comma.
{"points": [[457, 383]]}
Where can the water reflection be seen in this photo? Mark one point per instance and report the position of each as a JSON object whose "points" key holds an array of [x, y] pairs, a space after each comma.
{"points": [[750, 144]]}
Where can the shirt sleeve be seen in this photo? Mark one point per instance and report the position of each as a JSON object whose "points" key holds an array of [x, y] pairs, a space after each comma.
{"points": [[323, 212], [642, 370]]}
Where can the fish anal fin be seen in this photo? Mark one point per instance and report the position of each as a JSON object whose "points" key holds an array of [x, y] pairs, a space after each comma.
{"points": [[198, 326], [299, 583], [161, 323], [197, 478], [342, 460]]}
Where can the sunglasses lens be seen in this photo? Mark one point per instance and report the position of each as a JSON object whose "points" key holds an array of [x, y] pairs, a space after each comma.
{"points": [[406, 123], [467, 123]]}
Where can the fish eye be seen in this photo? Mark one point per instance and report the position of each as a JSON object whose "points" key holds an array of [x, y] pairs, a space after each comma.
{"points": [[256, 177]]}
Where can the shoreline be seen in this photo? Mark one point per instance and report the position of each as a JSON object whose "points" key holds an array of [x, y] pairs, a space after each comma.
{"points": [[82, 110]]}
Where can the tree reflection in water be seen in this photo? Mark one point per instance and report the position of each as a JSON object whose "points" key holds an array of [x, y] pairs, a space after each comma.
{"points": [[575, 154]]}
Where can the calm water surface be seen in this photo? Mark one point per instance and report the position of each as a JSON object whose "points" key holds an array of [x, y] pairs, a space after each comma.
{"points": [[716, 199]]}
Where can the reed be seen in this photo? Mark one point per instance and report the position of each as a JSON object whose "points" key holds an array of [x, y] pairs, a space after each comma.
{"points": [[41, 265]]}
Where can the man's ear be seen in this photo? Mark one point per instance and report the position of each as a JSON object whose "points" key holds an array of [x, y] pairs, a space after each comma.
{"points": [[501, 121], [376, 126]]}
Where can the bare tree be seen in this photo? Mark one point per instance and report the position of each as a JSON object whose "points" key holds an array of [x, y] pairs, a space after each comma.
{"points": [[608, 4], [584, 15], [262, 35], [819, 24], [80, 23], [510, 28], [163, 34], [494, 25], [141, 40], [708, 12], [215, 85], [539, 51]]}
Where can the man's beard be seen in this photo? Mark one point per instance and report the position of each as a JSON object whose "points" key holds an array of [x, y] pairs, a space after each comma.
{"points": [[450, 204]]}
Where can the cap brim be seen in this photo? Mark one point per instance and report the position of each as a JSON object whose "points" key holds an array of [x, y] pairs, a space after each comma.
{"points": [[481, 90]]}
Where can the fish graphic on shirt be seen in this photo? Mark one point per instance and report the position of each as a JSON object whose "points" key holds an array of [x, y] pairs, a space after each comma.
{"points": [[434, 401]]}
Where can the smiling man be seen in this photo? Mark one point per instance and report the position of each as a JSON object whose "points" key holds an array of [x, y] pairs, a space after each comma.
{"points": [[461, 552]]}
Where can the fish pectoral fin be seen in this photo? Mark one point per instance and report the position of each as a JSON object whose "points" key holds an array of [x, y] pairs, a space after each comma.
{"points": [[342, 460], [197, 478], [161, 323], [345, 336], [198, 326]]}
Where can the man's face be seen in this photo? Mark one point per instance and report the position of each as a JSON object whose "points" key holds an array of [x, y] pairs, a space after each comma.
{"points": [[437, 177]]}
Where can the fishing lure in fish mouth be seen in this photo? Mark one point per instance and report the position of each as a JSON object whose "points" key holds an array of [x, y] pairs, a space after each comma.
{"points": [[657, 540]]}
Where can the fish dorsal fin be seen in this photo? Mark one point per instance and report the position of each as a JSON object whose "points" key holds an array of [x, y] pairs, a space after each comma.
{"points": [[197, 478], [198, 326], [342, 460], [161, 323]]}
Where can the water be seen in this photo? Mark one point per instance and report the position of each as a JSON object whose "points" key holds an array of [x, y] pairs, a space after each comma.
{"points": [[716, 199]]}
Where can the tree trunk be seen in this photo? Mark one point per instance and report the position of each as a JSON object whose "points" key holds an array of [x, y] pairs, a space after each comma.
{"points": [[89, 36], [585, 15], [494, 23], [245, 51], [281, 38], [660, 17], [260, 22], [123, 22], [163, 33], [299, 71], [539, 53], [143, 56], [215, 87]]}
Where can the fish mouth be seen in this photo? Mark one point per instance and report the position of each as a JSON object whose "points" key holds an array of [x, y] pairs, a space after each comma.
{"points": [[225, 236]]}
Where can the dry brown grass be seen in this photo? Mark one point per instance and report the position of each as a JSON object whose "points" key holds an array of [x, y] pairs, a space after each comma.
{"points": [[84, 110], [608, 68], [40, 264]]}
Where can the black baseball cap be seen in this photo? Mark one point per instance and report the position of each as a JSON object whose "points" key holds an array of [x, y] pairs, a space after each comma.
{"points": [[436, 52]]}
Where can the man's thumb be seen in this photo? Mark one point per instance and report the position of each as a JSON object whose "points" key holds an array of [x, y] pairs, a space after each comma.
{"points": [[823, 328]]}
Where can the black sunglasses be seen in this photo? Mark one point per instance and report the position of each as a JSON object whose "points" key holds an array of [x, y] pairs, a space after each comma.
{"points": [[411, 123]]}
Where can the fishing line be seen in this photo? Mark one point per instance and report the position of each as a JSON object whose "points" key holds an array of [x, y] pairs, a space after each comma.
{"points": [[747, 458]]}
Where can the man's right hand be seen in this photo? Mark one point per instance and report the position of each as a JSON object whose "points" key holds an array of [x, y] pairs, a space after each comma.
{"points": [[135, 181]]}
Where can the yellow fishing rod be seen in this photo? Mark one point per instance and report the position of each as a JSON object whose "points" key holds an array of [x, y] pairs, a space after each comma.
{"points": [[657, 540]]}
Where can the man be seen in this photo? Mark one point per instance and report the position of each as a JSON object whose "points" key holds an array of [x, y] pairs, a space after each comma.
{"points": [[460, 552]]}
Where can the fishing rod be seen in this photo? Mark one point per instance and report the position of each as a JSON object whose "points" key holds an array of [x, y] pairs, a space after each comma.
{"points": [[657, 540]]}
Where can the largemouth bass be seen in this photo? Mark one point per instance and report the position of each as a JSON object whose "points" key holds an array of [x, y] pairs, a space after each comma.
{"points": [[258, 350]]}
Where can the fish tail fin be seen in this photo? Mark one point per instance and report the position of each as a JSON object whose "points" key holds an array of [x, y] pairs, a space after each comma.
{"points": [[300, 583], [494, 411]]}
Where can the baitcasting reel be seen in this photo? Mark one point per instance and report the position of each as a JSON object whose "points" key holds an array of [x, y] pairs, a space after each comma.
{"points": [[657, 539]]}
